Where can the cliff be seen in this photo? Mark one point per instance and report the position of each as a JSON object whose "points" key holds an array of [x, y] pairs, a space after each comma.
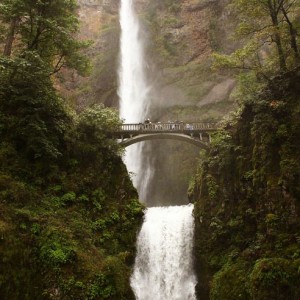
{"points": [[68, 227], [69, 214], [246, 195], [179, 37]]}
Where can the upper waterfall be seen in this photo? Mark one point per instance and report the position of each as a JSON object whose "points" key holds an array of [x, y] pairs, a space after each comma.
{"points": [[133, 91]]}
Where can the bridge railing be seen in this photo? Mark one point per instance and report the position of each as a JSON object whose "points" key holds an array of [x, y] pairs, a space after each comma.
{"points": [[168, 126]]}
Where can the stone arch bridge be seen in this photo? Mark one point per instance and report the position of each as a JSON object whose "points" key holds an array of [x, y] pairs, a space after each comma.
{"points": [[198, 134]]}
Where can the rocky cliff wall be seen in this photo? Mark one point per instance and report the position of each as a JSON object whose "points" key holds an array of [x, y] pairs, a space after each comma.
{"points": [[179, 38]]}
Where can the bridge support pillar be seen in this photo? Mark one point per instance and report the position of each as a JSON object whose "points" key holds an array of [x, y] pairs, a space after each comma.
{"points": [[200, 136]]}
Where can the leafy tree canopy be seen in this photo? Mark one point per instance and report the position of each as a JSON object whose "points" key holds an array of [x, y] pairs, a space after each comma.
{"points": [[39, 39], [269, 30], [93, 129], [33, 117], [47, 27]]}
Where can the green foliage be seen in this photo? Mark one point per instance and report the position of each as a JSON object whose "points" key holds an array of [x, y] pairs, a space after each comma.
{"points": [[134, 208], [110, 284], [231, 283], [101, 288], [46, 28], [269, 278], [269, 33], [33, 117], [246, 196], [92, 131], [55, 254], [13, 191], [68, 223], [68, 197], [212, 187], [274, 278], [271, 219], [100, 119], [81, 245]]}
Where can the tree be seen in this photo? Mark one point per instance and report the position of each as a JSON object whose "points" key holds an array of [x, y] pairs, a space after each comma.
{"points": [[40, 39], [285, 8], [90, 141], [95, 124], [47, 27], [33, 117], [269, 33]]}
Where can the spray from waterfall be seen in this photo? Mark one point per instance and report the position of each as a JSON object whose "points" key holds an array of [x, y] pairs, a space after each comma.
{"points": [[133, 89]]}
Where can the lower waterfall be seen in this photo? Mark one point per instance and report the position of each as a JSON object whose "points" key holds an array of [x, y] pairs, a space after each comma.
{"points": [[164, 263]]}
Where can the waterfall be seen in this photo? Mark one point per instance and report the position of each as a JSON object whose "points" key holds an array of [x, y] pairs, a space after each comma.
{"points": [[133, 89], [164, 267]]}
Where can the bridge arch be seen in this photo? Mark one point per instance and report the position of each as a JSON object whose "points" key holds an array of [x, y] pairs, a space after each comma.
{"points": [[171, 136]]}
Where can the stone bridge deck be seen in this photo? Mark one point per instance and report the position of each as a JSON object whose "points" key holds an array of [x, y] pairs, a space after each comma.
{"points": [[194, 133], [129, 130]]}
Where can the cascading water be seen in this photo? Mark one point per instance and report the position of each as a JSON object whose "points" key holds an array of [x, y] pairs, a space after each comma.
{"points": [[134, 89], [163, 267]]}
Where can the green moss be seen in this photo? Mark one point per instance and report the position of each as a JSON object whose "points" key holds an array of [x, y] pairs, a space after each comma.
{"points": [[246, 203], [71, 232], [274, 278], [231, 282]]}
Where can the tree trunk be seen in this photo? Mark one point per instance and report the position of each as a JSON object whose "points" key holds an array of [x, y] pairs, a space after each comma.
{"points": [[281, 57], [293, 36], [274, 16], [10, 36]]}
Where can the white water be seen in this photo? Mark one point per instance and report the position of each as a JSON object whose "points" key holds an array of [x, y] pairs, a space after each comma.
{"points": [[164, 267], [133, 90]]}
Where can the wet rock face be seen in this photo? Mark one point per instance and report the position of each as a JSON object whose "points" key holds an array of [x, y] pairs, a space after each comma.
{"points": [[193, 31], [185, 28], [109, 5], [94, 15], [179, 39], [99, 24], [179, 36], [182, 37]]}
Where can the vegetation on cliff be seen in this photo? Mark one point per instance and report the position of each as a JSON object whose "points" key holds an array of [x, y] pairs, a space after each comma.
{"points": [[68, 211], [247, 200], [246, 190]]}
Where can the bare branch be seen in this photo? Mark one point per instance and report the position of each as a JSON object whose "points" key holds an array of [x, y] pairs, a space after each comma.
{"points": [[60, 63], [280, 5]]}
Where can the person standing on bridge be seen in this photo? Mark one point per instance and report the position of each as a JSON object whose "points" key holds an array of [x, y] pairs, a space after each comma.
{"points": [[147, 124]]}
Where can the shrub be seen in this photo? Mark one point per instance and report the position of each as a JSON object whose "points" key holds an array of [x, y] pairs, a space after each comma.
{"points": [[230, 283], [274, 278]]}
